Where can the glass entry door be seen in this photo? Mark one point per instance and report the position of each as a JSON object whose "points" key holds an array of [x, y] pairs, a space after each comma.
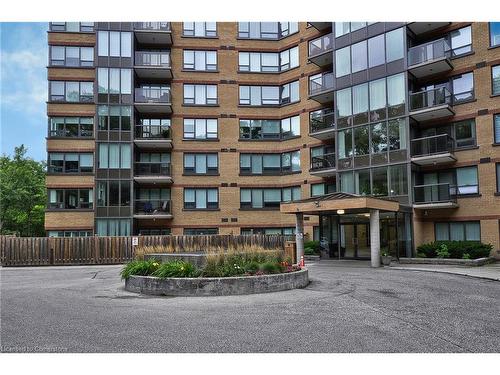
{"points": [[355, 240]]}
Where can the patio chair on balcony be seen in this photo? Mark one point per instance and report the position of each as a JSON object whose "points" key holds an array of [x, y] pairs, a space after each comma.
{"points": [[163, 208], [148, 207]]}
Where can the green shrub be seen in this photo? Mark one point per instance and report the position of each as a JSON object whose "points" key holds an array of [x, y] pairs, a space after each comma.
{"points": [[421, 255], [442, 251], [314, 245], [456, 249], [176, 268], [252, 267], [309, 251], [270, 267], [140, 268], [466, 256]]}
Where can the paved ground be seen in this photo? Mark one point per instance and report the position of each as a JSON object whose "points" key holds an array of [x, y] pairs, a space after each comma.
{"points": [[488, 271], [348, 307]]}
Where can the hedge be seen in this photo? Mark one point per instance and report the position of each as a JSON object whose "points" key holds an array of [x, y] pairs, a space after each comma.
{"points": [[457, 249]]}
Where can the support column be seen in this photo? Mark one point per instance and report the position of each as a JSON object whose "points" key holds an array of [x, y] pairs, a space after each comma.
{"points": [[375, 237], [299, 235]]}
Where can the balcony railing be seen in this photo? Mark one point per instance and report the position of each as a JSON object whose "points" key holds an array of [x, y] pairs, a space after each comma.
{"points": [[321, 45], [320, 120], [428, 52], [152, 169], [152, 207], [326, 161], [429, 98], [435, 193], [153, 132], [153, 26], [152, 95], [436, 144], [321, 84], [159, 59]]}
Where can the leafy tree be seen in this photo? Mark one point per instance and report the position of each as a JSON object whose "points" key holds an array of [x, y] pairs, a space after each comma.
{"points": [[22, 194]]}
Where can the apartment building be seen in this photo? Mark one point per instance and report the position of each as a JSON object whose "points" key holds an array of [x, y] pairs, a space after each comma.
{"points": [[204, 128]]}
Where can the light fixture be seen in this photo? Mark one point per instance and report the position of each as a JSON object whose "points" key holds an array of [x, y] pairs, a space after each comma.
{"points": [[340, 212], [366, 215]]}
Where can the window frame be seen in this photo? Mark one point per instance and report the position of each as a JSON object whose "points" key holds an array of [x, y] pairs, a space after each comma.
{"points": [[214, 135], [88, 98], [490, 35], [282, 135], [195, 208], [209, 171], [282, 100], [57, 134], [207, 33], [62, 27], [50, 168], [283, 30], [192, 67], [269, 171], [81, 63], [80, 205], [271, 205], [493, 67], [463, 223], [213, 101]]}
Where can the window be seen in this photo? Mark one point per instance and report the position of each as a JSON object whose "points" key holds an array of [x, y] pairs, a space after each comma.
{"points": [[342, 62], [114, 156], [114, 81], [70, 163], [379, 181], [267, 198], [270, 129], [496, 128], [70, 199], [396, 95], [378, 99], [464, 133], [71, 127], [71, 56], [494, 34], [82, 27], [200, 164], [458, 231], [394, 45], [200, 231], [463, 87], [497, 166], [113, 227], [200, 94], [263, 62], [288, 231], [152, 163], [201, 199], [200, 29], [61, 91], [266, 30], [343, 102], [113, 193], [269, 95], [376, 51], [114, 43], [359, 56], [200, 60], [200, 129], [68, 233], [116, 117], [342, 28], [270, 164], [495, 80], [467, 181], [322, 189], [461, 41]]}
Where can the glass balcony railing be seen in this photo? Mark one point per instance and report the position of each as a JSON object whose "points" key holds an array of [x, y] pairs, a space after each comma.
{"points": [[436, 144], [151, 169], [153, 26], [428, 52], [435, 193], [153, 132], [152, 95], [159, 59], [320, 45], [429, 98], [321, 84], [152, 207], [325, 161], [322, 119]]}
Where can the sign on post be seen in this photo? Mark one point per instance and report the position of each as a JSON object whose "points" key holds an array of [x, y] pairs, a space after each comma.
{"points": [[135, 241]]}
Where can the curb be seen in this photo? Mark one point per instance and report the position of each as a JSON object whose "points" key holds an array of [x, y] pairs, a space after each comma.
{"points": [[444, 271]]}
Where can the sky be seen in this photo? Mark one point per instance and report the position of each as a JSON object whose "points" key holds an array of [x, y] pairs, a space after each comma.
{"points": [[23, 87]]}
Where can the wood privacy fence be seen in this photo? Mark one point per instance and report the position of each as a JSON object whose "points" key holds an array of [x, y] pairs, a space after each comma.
{"points": [[41, 251]]}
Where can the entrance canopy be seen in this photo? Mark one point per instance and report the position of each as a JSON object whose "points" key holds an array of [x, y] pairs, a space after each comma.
{"points": [[331, 203]]}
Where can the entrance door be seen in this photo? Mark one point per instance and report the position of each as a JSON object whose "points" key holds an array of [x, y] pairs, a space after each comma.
{"points": [[355, 240]]}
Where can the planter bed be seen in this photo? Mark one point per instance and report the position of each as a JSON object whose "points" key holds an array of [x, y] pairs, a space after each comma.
{"points": [[447, 261], [196, 259], [217, 286]]}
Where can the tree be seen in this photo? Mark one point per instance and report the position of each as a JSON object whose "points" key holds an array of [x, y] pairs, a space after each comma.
{"points": [[22, 194]]}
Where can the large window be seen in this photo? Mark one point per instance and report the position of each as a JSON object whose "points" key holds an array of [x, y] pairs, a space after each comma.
{"points": [[270, 129], [380, 181], [113, 227], [394, 45], [201, 164], [71, 127], [70, 162], [269, 95], [463, 87], [376, 51], [69, 233], [201, 199], [342, 28], [113, 193], [264, 62], [497, 166], [458, 231], [287, 231], [200, 128], [115, 117], [496, 128], [72, 27], [494, 34], [66, 91], [114, 156], [267, 198], [200, 231], [463, 132], [114, 43], [270, 164], [495, 80], [461, 41], [72, 56], [200, 94], [266, 30], [322, 189], [200, 29], [70, 199], [200, 60], [114, 81], [467, 180], [342, 62]]}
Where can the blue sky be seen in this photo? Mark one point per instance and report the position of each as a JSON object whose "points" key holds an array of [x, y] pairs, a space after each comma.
{"points": [[23, 87]]}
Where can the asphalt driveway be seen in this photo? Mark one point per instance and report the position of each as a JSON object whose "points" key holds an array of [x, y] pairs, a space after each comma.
{"points": [[348, 307]]}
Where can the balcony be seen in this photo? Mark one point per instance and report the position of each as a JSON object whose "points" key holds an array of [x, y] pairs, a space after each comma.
{"points": [[429, 59], [153, 33], [152, 209], [420, 28], [321, 25], [321, 88], [154, 100], [322, 124], [437, 149], [158, 137], [434, 196], [321, 50], [152, 173], [152, 65], [323, 166], [431, 104]]}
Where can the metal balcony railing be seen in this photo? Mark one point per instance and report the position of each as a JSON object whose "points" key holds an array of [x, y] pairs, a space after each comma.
{"points": [[436, 144], [321, 119], [152, 169], [429, 98], [153, 26], [434, 193], [428, 52], [152, 95], [321, 84], [159, 59], [326, 161], [320, 45], [153, 132], [153, 207]]}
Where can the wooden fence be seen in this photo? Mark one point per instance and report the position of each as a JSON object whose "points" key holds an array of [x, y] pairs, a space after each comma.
{"points": [[41, 251]]}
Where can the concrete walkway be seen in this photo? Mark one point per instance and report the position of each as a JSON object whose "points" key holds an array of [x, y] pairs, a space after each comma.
{"points": [[488, 271]]}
